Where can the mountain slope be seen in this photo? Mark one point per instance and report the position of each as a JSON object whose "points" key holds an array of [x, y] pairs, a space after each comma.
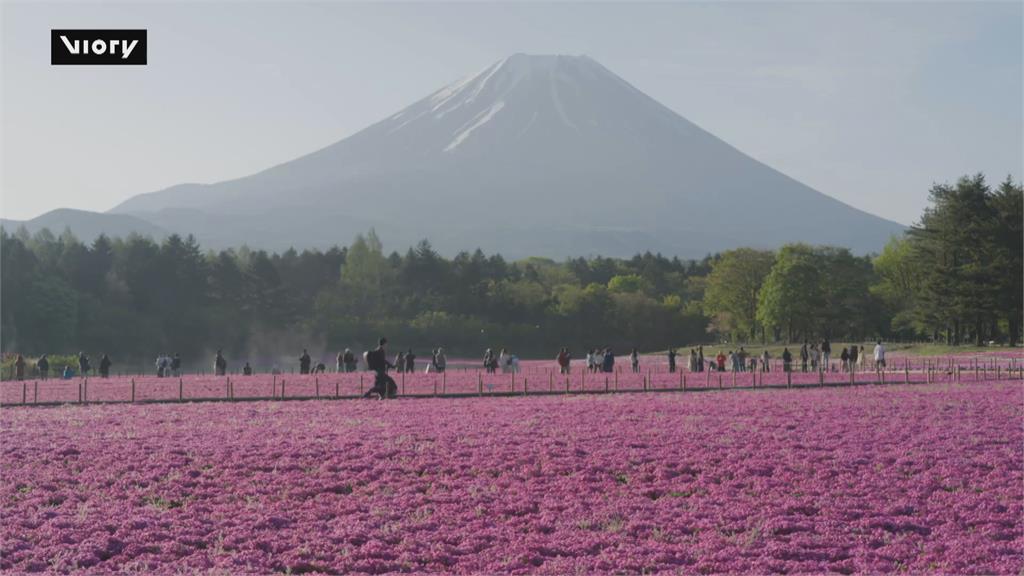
{"points": [[86, 225], [535, 155]]}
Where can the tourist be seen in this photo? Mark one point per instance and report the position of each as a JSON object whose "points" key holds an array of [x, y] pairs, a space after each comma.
{"points": [[599, 355], [734, 360], [220, 365], [19, 368], [814, 357], [700, 358], [440, 360], [176, 365], [83, 364], [787, 360], [743, 358], [105, 365], [634, 361], [68, 373], [43, 364], [376, 360], [860, 358], [304, 362], [505, 361], [349, 360], [410, 361], [853, 358], [804, 355], [607, 360], [339, 362], [879, 356], [247, 369], [766, 361], [672, 360], [320, 368], [564, 360], [844, 359], [720, 361], [489, 361], [826, 353], [400, 362]]}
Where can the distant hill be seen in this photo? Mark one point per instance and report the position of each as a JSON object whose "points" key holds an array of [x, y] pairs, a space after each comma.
{"points": [[86, 225], [536, 155]]}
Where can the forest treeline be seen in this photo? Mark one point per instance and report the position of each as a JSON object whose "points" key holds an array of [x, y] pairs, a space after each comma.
{"points": [[956, 277]]}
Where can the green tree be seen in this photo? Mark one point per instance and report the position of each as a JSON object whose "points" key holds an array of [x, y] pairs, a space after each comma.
{"points": [[731, 293]]}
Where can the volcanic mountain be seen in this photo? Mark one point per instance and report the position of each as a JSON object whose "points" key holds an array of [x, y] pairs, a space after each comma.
{"points": [[534, 156]]}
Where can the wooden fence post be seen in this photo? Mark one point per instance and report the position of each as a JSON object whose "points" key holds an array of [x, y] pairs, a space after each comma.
{"points": [[24, 392], [360, 384], [789, 379], [181, 390], [282, 388], [479, 383], [35, 392], [337, 388], [133, 390], [444, 382]]}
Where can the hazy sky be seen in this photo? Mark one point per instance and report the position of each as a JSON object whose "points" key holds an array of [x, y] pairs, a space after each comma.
{"points": [[868, 102]]}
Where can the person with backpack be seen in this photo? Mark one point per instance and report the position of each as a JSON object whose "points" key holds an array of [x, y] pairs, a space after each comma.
{"points": [[304, 362], [376, 360]]}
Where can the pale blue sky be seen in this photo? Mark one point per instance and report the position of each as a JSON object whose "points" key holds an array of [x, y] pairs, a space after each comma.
{"points": [[868, 102]]}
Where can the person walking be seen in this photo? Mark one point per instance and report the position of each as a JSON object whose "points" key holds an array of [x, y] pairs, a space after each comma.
{"points": [[787, 360], [672, 360], [826, 354], [844, 359], [766, 361], [176, 365], [853, 358], [804, 356], [700, 358], [879, 356], [734, 361], [489, 362], [814, 357], [304, 362], [860, 358], [564, 360], [410, 361], [349, 360], [634, 361], [247, 369], [340, 362], [720, 361], [376, 360], [691, 363], [43, 364], [743, 358]]}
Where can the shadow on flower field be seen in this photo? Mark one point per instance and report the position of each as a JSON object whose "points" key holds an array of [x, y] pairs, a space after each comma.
{"points": [[863, 479]]}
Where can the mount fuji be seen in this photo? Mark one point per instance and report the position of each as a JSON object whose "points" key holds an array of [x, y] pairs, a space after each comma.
{"points": [[534, 156]]}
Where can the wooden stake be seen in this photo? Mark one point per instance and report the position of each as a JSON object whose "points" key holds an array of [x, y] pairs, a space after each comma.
{"points": [[133, 390]]}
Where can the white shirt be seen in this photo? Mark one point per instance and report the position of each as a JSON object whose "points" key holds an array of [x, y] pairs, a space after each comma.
{"points": [[879, 352]]}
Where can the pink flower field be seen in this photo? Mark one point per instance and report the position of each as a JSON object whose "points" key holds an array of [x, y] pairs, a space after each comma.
{"points": [[924, 478]]}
